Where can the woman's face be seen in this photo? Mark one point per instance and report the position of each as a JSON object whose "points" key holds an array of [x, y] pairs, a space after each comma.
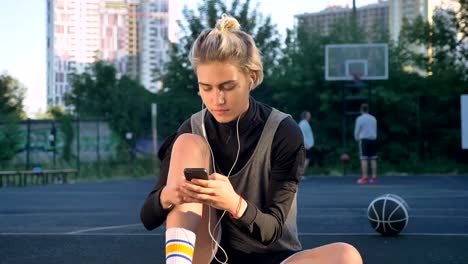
{"points": [[224, 89]]}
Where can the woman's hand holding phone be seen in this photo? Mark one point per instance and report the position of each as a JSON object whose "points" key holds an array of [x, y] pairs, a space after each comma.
{"points": [[215, 190]]}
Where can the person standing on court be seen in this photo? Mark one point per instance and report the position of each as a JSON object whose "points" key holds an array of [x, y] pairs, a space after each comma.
{"points": [[365, 133], [245, 212], [308, 137]]}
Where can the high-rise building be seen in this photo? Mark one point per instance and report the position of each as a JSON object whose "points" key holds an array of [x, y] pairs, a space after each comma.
{"points": [[132, 66], [133, 35], [409, 10], [73, 33], [114, 34], [153, 25], [405, 9], [157, 23], [372, 18]]}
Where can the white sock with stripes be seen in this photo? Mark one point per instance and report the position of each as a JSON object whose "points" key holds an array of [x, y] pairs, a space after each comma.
{"points": [[180, 244]]}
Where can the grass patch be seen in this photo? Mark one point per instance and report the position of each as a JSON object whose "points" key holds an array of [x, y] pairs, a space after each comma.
{"points": [[404, 168], [146, 168], [94, 171], [118, 170]]}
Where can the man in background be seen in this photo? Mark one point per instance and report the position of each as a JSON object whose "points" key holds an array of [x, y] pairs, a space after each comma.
{"points": [[365, 133], [308, 137]]}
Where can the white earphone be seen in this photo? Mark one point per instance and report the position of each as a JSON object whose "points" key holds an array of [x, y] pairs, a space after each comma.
{"points": [[214, 169]]}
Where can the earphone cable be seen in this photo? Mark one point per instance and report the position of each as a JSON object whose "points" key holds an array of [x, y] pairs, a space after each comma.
{"points": [[229, 174]]}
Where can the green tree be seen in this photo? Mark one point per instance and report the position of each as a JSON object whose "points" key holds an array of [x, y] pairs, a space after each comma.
{"points": [[11, 96], [178, 98], [92, 91], [58, 113], [11, 111], [463, 20], [422, 85], [422, 133], [301, 84], [124, 102]]}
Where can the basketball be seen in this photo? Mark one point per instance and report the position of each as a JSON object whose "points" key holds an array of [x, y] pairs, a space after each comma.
{"points": [[344, 157], [388, 214]]}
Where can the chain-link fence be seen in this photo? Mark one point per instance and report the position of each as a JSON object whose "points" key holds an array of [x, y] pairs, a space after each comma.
{"points": [[87, 145]]}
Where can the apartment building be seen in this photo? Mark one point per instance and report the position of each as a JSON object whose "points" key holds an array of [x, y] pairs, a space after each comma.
{"points": [[373, 18], [154, 27], [409, 10], [73, 34], [133, 35], [114, 35]]}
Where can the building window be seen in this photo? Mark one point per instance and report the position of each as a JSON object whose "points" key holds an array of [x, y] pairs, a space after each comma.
{"points": [[59, 5], [59, 28], [164, 6]]}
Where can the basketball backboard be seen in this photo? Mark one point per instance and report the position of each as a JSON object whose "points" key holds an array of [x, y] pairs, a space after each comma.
{"points": [[356, 62], [464, 120]]}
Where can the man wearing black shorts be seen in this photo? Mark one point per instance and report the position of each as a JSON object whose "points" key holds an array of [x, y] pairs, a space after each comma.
{"points": [[365, 133]]}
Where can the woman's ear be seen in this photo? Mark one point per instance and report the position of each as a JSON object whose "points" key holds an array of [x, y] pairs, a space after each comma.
{"points": [[253, 80]]}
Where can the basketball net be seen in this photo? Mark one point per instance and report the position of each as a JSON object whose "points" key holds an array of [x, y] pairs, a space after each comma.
{"points": [[357, 76]]}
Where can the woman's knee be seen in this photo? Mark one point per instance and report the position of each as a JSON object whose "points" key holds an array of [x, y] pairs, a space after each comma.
{"points": [[346, 253], [190, 145]]}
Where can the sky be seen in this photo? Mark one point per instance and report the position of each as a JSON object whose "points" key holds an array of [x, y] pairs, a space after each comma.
{"points": [[23, 30]]}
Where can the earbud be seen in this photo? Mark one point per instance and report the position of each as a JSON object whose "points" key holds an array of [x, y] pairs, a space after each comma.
{"points": [[251, 84]]}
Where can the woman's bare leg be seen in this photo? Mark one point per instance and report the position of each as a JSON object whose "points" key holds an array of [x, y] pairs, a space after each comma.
{"points": [[189, 151], [336, 253], [205, 248], [192, 151]]}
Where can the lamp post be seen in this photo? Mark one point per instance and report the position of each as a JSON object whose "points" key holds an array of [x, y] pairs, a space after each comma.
{"points": [[154, 116], [52, 141]]}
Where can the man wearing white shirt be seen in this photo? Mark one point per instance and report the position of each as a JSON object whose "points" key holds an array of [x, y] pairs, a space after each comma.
{"points": [[308, 136], [365, 133]]}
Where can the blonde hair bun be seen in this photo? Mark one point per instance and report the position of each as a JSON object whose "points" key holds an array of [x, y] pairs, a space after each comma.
{"points": [[226, 42], [227, 23]]}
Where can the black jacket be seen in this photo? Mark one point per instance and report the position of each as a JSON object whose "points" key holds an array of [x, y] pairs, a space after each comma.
{"points": [[287, 160]]}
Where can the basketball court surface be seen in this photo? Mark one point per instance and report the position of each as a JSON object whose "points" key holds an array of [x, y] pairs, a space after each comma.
{"points": [[99, 222]]}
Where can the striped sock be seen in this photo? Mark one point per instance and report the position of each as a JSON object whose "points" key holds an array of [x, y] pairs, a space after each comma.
{"points": [[180, 244]]}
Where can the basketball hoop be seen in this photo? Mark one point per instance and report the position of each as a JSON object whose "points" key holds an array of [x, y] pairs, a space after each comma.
{"points": [[357, 76], [368, 61]]}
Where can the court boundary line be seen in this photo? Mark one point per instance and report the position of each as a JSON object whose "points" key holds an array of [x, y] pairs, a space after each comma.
{"points": [[360, 216], [103, 228], [365, 208], [321, 209], [163, 234], [60, 213]]}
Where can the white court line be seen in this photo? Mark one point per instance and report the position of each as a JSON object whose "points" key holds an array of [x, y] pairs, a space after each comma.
{"points": [[406, 197], [359, 216], [365, 208], [372, 234], [162, 234], [61, 213], [439, 216], [42, 192], [80, 234], [435, 196], [103, 228]]}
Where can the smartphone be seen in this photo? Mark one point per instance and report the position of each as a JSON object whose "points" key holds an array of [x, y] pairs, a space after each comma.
{"points": [[196, 173]]}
